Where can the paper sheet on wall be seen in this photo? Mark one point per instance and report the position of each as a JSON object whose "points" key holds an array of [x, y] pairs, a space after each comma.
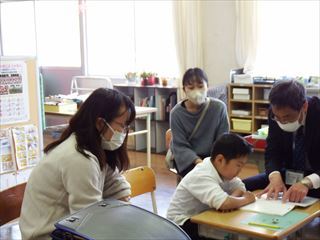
{"points": [[26, 145], [14, 100], [7, 163]]}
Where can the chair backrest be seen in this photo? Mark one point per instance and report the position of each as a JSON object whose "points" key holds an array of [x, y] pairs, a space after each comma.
{"points": [[10, 203], [168, 138], [87, 84], [141, 179]]}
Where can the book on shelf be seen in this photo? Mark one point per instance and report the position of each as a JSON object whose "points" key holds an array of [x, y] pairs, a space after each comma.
{"points": [[165, 103], [276, 207], [147, 102], [241, 96], [240, 112], [241, 91]]}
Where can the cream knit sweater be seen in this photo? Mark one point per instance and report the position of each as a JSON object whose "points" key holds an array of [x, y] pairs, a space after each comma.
{"points": [[64, 182]]}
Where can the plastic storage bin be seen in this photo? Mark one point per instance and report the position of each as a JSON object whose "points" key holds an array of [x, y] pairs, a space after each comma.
{"points": [[241, 124]]}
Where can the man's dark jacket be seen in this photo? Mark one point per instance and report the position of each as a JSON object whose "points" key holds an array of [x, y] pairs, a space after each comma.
{"points": [[278, 155]]}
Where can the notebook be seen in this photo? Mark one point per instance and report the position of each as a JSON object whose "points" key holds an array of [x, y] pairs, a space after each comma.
{"points": [[276, 207]]}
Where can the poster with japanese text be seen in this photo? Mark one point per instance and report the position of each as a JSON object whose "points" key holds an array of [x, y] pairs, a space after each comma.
{"points": [[14, 100], [26, 146], [7, 163]]}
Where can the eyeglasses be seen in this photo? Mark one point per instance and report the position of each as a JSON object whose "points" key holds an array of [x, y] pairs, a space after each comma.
{"points": [[286, 119], [125, 128]]}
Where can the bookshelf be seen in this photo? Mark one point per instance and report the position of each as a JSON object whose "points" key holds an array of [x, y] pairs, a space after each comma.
{"points": [[248, 107], [164, 99]]}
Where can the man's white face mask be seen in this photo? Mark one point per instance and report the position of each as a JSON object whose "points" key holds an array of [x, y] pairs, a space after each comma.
{"points": [[197, 95], [291, 126]]}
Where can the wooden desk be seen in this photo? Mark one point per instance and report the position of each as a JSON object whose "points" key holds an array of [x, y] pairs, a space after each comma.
{"points": [[141, 112], [231, 222]]}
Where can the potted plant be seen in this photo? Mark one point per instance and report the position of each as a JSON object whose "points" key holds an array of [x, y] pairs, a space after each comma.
{"points": [[148, 78], [132, 77]]}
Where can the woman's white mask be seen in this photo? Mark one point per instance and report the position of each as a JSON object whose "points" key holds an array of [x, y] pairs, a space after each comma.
{"points": [[198, 95], [115, 142]]}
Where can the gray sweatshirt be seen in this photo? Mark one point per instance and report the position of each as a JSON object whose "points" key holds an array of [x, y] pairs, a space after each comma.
{"points": [[182, 123]]}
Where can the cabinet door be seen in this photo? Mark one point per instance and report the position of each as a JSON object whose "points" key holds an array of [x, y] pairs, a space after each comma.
{"points": [[7, 180]]}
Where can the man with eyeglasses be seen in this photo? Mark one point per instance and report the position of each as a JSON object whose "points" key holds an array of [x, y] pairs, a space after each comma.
{"points": [[292, 157]]}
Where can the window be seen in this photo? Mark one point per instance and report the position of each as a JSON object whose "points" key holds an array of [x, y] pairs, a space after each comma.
{"points": [[288, 38], [18, 29], [128, 36], [58, 36], [110, 34]]}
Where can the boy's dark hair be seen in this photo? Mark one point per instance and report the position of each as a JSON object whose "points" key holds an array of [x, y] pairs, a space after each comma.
{"points": [[194, 75], [102, 103], [288, 93], [230, 146]]}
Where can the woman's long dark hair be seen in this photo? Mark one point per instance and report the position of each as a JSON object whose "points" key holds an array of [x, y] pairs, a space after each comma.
{"points": [[102, 103]]}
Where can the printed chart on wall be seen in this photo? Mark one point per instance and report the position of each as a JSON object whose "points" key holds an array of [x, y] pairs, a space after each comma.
{"points": [[6, 152], [14, 100], [26, 146]]}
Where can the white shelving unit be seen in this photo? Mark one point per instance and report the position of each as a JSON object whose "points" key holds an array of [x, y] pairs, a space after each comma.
{"points": [[151, 96]]}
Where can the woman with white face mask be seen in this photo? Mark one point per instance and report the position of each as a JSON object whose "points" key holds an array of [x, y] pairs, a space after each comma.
{"points": [[184, 117], [292, 154], [82, 167]]}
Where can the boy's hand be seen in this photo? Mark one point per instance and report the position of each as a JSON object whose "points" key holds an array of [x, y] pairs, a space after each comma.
{"points": [[125, 199], [249, 197]]}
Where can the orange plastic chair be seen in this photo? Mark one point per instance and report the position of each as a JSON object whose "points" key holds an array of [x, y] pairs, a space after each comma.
{"points": [[11, 202], [142, 180]]}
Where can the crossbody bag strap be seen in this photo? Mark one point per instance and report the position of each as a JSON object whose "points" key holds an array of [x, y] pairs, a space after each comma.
{"points": [[200, 119]]}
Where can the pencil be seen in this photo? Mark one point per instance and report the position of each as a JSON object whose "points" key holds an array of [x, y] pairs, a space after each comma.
{"points": [[263, 225]]}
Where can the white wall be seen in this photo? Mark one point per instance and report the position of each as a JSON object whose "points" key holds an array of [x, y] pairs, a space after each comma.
{"points": [[218, 36]]}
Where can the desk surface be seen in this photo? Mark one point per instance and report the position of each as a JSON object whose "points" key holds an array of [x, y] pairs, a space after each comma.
{"points": [[140, 111], [231, 222]]}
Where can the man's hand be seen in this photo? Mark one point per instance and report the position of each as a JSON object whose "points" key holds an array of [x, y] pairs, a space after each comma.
{"points": [[275, 186], [296, 193]]}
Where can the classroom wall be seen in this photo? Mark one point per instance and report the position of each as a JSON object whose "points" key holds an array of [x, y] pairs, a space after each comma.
{"points": [[218, 34]]}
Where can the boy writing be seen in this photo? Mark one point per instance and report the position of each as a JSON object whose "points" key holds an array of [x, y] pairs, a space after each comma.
{"points": [[212, 184]]}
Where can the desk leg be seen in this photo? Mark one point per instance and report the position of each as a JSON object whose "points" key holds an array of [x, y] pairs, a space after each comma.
{"points": [[148, 122]]}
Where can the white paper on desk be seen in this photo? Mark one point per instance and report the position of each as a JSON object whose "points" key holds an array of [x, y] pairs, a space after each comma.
{"points": [[273, 207], [276, 207], [307, 201]]}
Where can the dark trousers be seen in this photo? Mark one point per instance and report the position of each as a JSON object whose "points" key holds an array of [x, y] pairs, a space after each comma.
{"points": [[186, 171], [261, 181], [191, 229]]}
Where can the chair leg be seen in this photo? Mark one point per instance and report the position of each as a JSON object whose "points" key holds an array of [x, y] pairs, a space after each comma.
{"points": [[154, 204]]}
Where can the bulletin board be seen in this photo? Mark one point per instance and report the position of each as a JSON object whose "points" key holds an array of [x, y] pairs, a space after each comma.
{"points": [[20, 114]]}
